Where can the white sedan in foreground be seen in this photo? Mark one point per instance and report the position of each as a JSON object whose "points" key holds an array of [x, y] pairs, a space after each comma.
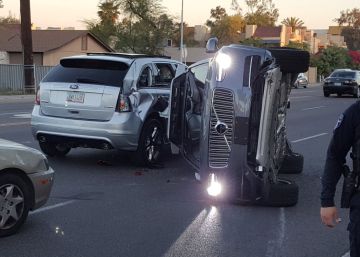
{"points": [[25, 184]]}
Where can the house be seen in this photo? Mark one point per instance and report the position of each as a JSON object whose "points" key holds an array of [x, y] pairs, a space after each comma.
{"points": [[332, 37], [49, 46]]}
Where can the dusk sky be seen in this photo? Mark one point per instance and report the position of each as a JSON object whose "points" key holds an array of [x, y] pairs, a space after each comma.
{"points": [[316, 14]]}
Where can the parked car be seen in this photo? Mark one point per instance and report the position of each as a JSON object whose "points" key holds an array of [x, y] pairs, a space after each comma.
{"points": [[301, 81], [105, 101], [25, 184], [230, 112], [342, 81]]}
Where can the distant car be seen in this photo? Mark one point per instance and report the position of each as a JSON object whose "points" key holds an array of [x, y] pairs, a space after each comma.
{"points": [[25, 184], [341, 82], [301, 81], [105, 101]]}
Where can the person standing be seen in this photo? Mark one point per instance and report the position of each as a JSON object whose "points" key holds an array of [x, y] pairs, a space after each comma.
{"points": [[345, 135]]}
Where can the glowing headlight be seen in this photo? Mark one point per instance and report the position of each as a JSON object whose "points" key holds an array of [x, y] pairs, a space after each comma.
{"points": [[214, 188], [223, 62]]}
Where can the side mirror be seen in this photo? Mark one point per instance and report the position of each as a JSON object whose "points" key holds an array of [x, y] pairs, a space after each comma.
{"points": [[212, 45]]}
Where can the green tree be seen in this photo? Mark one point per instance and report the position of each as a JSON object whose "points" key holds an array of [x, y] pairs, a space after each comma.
{"points": [[108, 13], [226, 28], [10, 19], [256, 42], [351, 32], [293, 22], [145, 27], [1, 5], [331, 58], [298, 45], [261, 13]]}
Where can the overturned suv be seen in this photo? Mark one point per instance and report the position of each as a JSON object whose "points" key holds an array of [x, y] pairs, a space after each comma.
{"points": [[105, 101], [231, 112]]}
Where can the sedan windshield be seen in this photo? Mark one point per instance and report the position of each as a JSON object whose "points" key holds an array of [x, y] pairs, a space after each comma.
{"points": [[343, 74]]}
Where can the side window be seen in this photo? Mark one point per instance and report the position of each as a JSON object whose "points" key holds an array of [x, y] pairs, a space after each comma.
{"points": [[200, 72], [145, 79], [251, 68], [165, 73]]}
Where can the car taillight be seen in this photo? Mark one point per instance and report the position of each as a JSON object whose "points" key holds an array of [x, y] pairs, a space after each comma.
{"points": [[37, 97], [123, 104]]}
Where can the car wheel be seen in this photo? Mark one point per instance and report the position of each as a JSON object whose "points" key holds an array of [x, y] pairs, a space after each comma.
{"points": [[151, 143], [293, 164], [14, 203], [357, 94], [52, 149], [283, 193], [291, 60], [326, 94]]}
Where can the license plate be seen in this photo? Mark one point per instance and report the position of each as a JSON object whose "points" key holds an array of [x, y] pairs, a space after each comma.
{"points": [[75, 97], [337, 84]]}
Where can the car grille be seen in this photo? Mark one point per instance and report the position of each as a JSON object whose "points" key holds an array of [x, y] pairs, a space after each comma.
{"points": [[223, 106]]}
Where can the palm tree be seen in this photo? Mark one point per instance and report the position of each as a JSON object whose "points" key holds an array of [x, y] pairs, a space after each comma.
{"points": [[109, 11], [293, 22]]}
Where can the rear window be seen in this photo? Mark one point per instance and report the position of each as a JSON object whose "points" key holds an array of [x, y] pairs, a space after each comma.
{"points": [[101, 72], [343, 74]]}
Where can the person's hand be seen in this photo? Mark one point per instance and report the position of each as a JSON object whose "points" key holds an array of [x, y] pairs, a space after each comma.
{"points": [[329, 216]]}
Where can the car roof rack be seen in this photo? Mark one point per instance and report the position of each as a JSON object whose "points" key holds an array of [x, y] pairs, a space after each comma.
{"points": [[130, 56]]}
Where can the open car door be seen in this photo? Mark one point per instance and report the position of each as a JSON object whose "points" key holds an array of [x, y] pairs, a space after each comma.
{"points": [[184, 121]]}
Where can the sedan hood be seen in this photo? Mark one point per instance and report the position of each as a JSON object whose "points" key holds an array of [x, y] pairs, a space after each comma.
{"points": [[6, 144]]}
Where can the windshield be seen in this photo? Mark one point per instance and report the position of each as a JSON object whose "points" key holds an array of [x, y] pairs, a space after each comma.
{"points": [[343, 74], [95, 72]]}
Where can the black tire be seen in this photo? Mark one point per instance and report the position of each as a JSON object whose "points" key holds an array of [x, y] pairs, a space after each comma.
{"points": [[357, 94], [284, 193], [17, 202], [293, 164], [151, 143], [291, 60], [339, 95], [53, 149], [326, 94]]}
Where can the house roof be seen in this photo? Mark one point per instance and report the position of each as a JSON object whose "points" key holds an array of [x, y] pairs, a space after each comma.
{"points": [[43, 40], [262, 32]]}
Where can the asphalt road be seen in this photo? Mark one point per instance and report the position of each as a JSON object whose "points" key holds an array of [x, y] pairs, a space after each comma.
{"points": [[114, 208]]}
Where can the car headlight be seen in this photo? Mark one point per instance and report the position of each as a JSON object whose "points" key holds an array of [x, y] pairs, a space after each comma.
{"points": [[44, 165], [215, 187], [223, 62]]}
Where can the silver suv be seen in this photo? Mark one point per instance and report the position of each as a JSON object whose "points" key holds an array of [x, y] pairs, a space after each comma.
{"points": [[105, 101]]}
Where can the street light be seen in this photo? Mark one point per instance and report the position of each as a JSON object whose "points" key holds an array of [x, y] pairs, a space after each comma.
{"points": [[182, 32]]}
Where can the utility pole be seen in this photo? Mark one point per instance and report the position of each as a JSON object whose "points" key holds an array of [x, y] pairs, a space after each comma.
{"points": [[182, 32], [26, 41]]}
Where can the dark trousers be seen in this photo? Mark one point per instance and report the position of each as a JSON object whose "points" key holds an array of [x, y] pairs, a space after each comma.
{"points": [[354, 228]]}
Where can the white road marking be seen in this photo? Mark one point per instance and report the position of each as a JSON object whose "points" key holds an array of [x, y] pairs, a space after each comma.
{"points": [[346, 254], [296, 97], [15, 124], [23, 116], [47, 208], [312, 108], [12, 113], [275, 246], [307, 138]]}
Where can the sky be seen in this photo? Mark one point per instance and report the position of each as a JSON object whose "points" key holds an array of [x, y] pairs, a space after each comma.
{"points": [[316, 14]]}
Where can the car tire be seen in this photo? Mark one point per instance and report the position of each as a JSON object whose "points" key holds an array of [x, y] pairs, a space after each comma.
{"points": [[291, 60], [151, 143], [357, 94], [16, 205], [53, 149], [283, 193], [293, 164], [326, 94]]}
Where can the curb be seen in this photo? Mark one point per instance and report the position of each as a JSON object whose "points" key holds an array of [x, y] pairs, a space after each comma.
{"points": [[16, 97]]}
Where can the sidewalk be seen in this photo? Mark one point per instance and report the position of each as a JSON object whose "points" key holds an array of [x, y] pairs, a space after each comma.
{"points": [[16, 98]]}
